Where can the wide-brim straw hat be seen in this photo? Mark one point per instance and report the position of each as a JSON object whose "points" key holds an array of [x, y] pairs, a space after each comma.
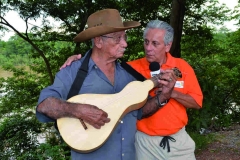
{"points": [[103, 22]]}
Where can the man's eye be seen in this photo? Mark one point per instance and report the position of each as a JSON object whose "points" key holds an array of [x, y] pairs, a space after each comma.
{"points": [[155, 44], [118, 39], [146, 41]]}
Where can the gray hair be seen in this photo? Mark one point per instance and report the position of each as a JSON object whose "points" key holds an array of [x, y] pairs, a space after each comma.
{"points": [[92, 42], [157, 24]]}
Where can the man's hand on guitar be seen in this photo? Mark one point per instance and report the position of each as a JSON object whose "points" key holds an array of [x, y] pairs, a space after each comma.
{"points": [[93, 116]]}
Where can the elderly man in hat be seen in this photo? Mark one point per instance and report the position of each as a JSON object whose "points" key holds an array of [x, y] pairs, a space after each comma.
{"points": [[105, 76]]}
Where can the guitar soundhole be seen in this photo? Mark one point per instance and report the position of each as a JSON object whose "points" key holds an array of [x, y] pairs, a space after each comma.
{"points": [[83, 124]]}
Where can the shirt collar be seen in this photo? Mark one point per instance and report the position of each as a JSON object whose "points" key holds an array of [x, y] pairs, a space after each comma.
{"points": [[170, 61]]}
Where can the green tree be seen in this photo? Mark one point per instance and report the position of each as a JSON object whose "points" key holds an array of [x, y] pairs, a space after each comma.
{"points": [[217, 67], [73, 15]]}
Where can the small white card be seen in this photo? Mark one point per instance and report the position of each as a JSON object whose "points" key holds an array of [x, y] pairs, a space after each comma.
{"points": [[179, 84]]}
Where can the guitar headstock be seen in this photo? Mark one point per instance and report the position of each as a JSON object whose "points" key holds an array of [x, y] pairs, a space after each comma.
{"points": [[177, 72], [157, 77]]}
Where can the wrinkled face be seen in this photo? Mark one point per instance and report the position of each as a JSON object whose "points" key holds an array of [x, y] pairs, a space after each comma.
{"points": [[154, 46], [115, 44]]}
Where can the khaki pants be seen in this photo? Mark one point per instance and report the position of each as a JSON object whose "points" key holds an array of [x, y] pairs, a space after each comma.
{"points": [[148, 148]]}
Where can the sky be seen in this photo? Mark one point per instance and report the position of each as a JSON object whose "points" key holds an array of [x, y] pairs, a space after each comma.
{"points": [[230, 4], [14, 19]]}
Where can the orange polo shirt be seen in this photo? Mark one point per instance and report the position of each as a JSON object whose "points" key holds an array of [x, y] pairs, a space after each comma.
{"points": [[173, 116]]}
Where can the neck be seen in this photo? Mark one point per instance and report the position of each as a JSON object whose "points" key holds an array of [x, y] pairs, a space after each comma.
{"points": [[163, 59], [105, 63]]}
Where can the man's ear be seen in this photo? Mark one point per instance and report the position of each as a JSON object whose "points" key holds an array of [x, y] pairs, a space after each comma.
{"points": [[98, 42], [168, 47]]}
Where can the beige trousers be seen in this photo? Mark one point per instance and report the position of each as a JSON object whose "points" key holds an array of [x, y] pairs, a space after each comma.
{"points": [[148, 147]]}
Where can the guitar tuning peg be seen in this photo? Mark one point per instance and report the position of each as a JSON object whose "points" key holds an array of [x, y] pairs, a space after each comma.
{"points": [[177, 72]]}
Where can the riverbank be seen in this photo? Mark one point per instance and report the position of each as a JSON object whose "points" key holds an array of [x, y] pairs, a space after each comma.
{"points": [[5, 74]]}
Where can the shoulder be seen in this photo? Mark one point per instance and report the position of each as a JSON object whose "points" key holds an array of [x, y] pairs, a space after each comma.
{"points": [[183, 64], [136, 62], [68, 73], [139, 64], [75, 65]]}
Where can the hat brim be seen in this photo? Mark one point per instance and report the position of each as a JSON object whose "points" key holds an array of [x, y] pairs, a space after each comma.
{"points": [[102, 30]]}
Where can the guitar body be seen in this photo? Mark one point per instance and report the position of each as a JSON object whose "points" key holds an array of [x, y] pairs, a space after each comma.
{"points": [[132, 97]]}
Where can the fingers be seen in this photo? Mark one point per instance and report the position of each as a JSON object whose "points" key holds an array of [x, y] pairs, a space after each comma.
{"points": [[168, 75], [70, 60], [167, 82], [107, 120], [174, 72], [79, 56], [100, 123], [67, 63], [102, 120], [95, 116], [73, 58], [63, 66]]}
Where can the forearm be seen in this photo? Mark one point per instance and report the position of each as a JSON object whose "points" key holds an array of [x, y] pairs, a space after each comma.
{"points": [[56, 108], [152, 106], [185, 99], [166, 84]]}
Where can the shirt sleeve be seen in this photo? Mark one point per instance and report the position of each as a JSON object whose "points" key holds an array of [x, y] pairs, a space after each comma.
{"points": [[193, 87]]}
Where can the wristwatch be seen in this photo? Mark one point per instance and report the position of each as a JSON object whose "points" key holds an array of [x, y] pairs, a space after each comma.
{"points": [[163, 103], [160, 104]]}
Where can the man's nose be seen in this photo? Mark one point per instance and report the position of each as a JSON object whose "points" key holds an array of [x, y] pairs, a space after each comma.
{"points": [[148, 47], [123, 43]]}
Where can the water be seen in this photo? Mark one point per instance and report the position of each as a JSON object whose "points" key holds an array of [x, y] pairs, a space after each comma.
{"points": [[4, 74]]}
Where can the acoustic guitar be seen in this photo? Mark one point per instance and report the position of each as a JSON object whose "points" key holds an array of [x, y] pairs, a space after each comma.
{"points": [[84, 140]]}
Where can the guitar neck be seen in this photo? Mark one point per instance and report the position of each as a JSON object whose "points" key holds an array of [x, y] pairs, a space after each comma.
{"points": [[155, 80]]}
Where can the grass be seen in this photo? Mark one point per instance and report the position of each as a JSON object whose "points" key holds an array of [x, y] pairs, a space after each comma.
{"points": [[202, 140]]}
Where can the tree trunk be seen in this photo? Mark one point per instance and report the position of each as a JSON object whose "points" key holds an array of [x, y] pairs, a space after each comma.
{"points": [[176, 21]]}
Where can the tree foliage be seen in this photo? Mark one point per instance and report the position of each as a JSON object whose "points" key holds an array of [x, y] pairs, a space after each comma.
{"points": [[216, 63]]}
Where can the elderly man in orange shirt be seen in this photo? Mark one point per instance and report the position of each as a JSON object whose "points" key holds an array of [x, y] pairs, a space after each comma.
{"points": [[166, 126]]}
